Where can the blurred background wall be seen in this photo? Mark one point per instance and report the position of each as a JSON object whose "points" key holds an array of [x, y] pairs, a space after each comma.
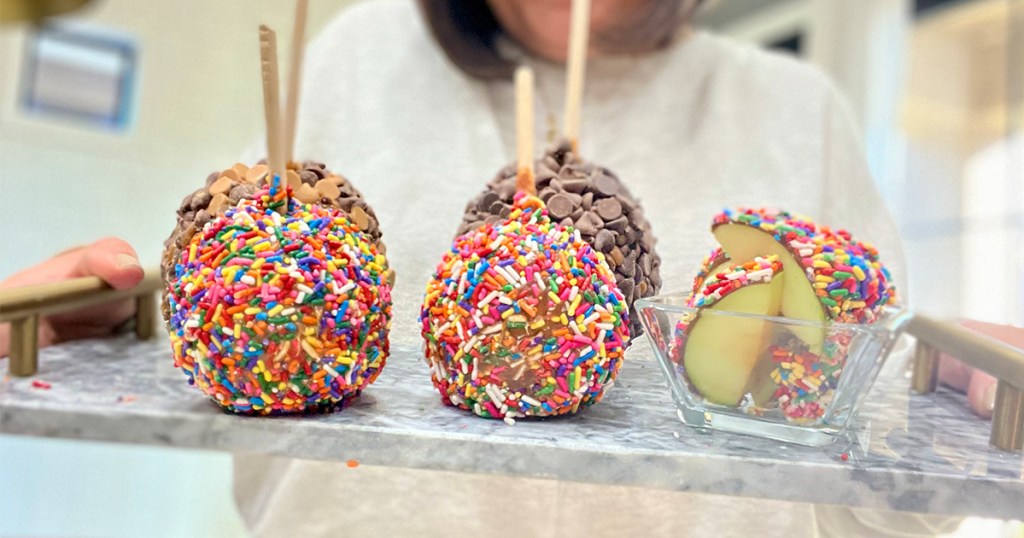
{"points": [[63, 183], [936, 85]]}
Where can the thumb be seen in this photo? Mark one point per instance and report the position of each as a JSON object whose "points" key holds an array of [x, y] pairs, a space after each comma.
{"points": [[981, 394], [114, 261]]}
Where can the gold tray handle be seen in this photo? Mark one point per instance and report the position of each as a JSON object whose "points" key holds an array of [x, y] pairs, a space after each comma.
{"points": [[1002, 361], [23, 306]]}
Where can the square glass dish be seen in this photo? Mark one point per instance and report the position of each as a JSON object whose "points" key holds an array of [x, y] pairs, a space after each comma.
{"points": [[774, 377]]}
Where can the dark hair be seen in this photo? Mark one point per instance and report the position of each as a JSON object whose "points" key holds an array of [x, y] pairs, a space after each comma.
{"points": [[467, 31]]}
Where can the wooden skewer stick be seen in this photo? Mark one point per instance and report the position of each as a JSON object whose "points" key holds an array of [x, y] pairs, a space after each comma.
{"points": [[271, 101], [524, 131], [576, 66], [294, 78]]}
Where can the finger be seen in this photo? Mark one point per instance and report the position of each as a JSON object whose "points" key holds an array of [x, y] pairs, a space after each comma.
{"points": [[954, 373], [104, 315], [1008, 334], [80, 332], [114, 261], [981, 394]]}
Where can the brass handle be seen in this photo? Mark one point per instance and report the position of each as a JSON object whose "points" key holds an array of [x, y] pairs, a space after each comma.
{"points": [[1004, 362], [23, 306]]}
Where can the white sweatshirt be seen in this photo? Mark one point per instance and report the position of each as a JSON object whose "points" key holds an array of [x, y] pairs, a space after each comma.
{"points": [[705, 124]]}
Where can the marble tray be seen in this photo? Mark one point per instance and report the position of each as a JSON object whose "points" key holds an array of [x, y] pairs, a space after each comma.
{"points": [[907, 452]]}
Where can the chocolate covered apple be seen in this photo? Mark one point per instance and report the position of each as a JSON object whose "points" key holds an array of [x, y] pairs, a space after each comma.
{"points": [[581, 194], [277, 298], [310, 182], [592, 200]]}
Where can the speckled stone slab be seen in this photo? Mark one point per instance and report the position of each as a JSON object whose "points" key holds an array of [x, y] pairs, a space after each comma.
{"points": [[907, 452]]}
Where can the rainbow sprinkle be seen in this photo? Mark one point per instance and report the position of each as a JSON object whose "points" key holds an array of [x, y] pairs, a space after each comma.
{"points": [[806, 381], [278, 307], [713, 260], [523, 318], [734, 277], [848, 278]]}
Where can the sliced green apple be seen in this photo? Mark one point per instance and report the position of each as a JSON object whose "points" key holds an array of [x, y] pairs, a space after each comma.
{"points": [[744, 242], [721, 353]]}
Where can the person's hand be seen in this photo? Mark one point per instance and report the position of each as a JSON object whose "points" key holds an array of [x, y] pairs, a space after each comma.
{"points": [[979, 386], [111, 259]]}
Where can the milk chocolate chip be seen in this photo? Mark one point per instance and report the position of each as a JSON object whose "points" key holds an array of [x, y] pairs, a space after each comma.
{"points": [[593, 200], [224, 189]]}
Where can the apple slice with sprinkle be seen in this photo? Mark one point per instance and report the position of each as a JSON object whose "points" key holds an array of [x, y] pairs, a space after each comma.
{"points": [[720, 353], [829, 276]]}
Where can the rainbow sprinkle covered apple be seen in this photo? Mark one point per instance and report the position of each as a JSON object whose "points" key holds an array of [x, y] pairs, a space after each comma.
{"points": [[523, 319], [276, 306], [772, 263], [310, 181], [594, 201]]}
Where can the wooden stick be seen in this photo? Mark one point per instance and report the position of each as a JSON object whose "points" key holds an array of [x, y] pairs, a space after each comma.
{"points": [[294, 78], [524, 131], [271, 101], [579, 31]]}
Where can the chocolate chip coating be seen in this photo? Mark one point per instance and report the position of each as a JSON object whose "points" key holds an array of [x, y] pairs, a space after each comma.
{"points": [[594, 201], [204, 205]]}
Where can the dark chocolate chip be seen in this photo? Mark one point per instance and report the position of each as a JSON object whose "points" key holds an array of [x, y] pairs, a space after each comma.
{"points": [[588, 201], [646, 264], [628, 202], [626, 287], [560, 206], [506, 190], [575, 185], [309, 177], [589, 224], [605, 185], [647, 242], [628, 267], [487, 200], [619, 224], [202, 217], [608, 209], [241, 191], [604, 241], [544, 178]]}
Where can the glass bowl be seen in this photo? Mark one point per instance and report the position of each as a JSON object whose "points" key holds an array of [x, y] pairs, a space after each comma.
{"points": [[774, 377]]}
